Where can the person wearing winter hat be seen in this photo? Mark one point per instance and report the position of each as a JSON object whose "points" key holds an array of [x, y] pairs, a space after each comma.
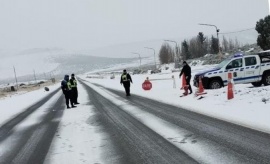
{"points": [[66, 88], [126, 80], [74, 89], [187, 71]]}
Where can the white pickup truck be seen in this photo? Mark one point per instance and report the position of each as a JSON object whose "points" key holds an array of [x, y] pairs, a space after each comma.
{"points": [[253, 69]]}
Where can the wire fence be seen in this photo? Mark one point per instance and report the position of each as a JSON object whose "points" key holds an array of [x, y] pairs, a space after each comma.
{"points": [[13, 79]]}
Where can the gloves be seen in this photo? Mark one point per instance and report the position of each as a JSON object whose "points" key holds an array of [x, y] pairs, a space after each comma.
{"points": [[120, 83]]}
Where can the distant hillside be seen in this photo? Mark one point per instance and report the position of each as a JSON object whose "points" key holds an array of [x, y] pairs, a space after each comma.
{"points": [[46, 62], [124, 50]]}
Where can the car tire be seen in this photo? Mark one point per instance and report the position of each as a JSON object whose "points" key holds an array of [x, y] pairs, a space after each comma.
{"points": [[215, 84], [266, 79], [257, 84]]}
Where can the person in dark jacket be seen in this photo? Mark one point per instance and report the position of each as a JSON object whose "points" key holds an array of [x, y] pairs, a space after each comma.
{"points": [[187, 71], [74, 89], [66, 88], [125, 80]]}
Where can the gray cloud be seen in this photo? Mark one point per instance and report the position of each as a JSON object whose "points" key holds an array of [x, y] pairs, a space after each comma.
{"points": [[89, 24]]}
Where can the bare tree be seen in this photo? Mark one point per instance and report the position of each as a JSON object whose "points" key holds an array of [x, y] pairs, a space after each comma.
{"points": [[201, 44], [207, 45], [231, 45], [236, 43], [185, 50], [194, 48], [166, 54], [225, 44], [214, 45]]}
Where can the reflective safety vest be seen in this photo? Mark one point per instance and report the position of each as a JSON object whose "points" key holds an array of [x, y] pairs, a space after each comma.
{"points": [[69, 85], [75, 82], [74, 85], [124, 77]]}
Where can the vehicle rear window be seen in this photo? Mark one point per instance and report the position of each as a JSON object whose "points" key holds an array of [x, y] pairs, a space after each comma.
{"points": [[250, 61]]}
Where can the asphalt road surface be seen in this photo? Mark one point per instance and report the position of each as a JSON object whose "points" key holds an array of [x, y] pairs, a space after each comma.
{"points": [[30, 145], [237, 143], [132, 140]]}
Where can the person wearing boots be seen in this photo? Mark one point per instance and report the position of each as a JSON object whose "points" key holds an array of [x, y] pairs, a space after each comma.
{"points": [[74, 89], [125, 80], [66, 88], [187, 71]]}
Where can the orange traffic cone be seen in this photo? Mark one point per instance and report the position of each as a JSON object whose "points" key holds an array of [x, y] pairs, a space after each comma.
{"points": [[183, 81], [230, 86], [201, 89]]}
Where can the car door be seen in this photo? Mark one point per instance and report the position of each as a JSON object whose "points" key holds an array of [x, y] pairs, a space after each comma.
{"points": [[252, 69], [237, 70]]}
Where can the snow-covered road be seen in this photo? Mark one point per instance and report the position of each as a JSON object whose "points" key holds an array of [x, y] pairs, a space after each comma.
{"points": [[108, 127], [205, 139]]}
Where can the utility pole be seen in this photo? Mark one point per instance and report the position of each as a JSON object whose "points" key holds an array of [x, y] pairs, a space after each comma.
{"points": [[35, 77], [154, 55], [45, 76], [16, 78], [139, 58]]}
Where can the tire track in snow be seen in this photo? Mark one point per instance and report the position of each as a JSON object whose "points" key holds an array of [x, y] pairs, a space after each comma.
{"points": [[135, 142], [6, 129], [249, 145], [31, 137]]}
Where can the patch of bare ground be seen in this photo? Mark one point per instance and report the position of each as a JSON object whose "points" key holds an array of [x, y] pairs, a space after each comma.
{"points": [[24, 88]]}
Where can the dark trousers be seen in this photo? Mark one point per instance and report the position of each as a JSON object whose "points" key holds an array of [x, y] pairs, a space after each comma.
{"points": [[75, 95], [68, 97], [127, 88], [188, 78]]}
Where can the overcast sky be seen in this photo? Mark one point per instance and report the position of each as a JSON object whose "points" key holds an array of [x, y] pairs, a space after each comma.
{"points": [[90, 24]]}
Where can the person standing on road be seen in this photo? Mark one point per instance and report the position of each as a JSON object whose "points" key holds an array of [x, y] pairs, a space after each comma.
{"points": [[125, 80], [74, 89], [66, 88], [187, 71]]}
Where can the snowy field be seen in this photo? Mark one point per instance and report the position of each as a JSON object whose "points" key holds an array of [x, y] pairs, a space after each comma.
{"points": [[246, 109], [12, 105], [79, 139]]}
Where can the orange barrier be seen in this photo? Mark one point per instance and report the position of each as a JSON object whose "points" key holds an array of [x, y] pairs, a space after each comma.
{"points": [[186, 90], [200, 89], [230, 86], [183, 81]]}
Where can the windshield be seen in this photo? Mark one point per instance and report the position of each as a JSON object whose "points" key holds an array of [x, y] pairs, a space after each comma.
{"points": [[223, 63]]}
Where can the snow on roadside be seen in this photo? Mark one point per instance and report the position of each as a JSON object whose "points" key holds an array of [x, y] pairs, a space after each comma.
{"points": [[204, 151], [34, 119], [79, 138], [246, 109], [11, 106], [78, 142]]}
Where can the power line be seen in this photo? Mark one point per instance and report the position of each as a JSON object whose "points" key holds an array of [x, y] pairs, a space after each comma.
{"points": [[239, 31]]}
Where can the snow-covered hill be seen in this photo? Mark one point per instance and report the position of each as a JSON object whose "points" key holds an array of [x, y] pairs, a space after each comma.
{"points": [[47, 63], [54, 62]]}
